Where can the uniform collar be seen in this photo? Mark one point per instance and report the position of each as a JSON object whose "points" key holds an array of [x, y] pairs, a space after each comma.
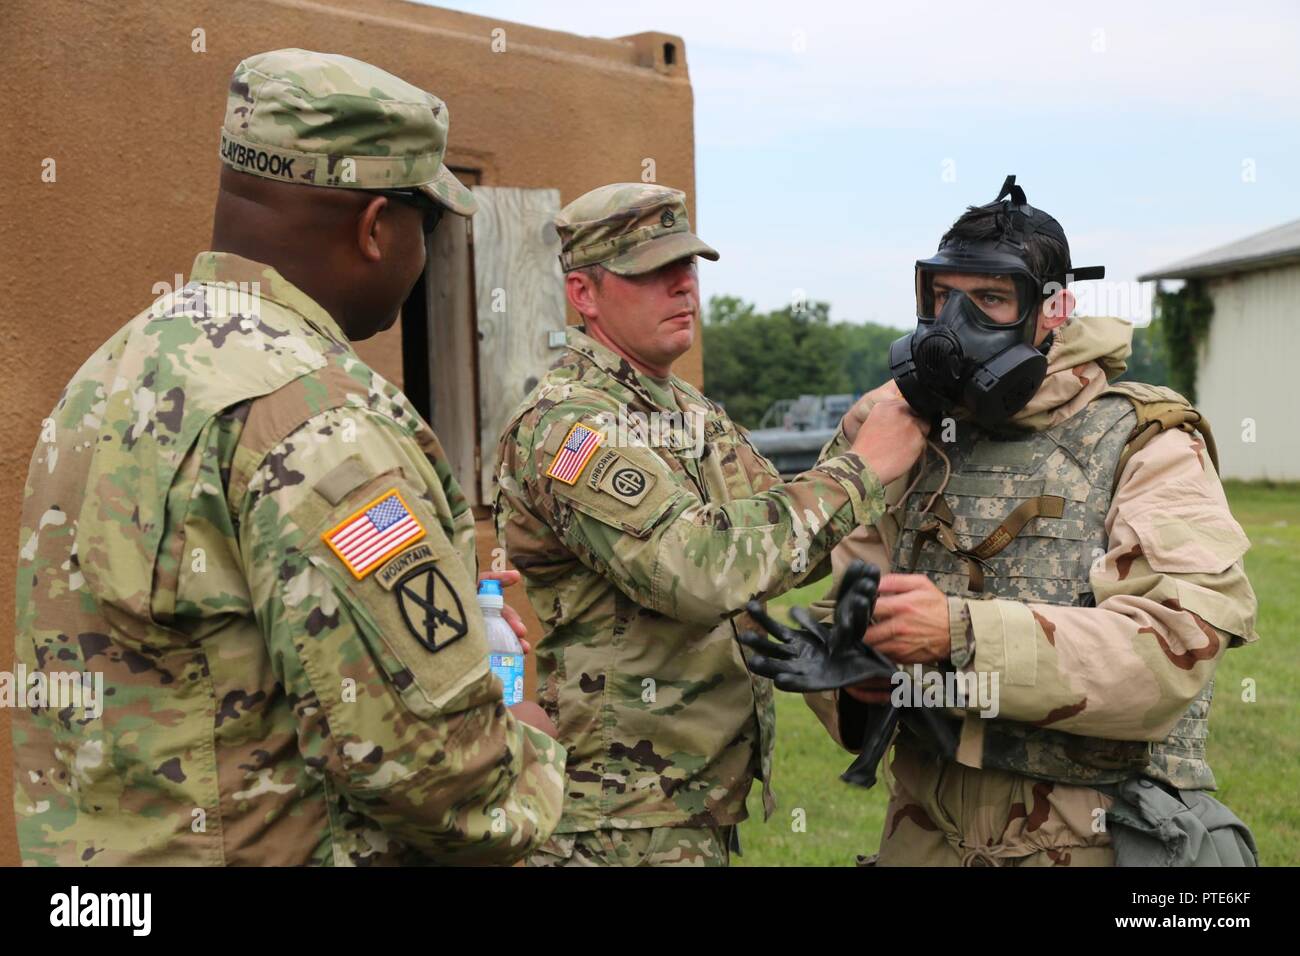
{"points": [[213, 267], [657, 393]]}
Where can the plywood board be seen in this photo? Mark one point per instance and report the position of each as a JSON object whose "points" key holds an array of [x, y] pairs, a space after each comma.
{"points": [[519, 300], [452, 351]]}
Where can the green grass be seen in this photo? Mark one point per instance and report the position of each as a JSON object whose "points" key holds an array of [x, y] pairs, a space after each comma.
{"points": [[1254, 747]]}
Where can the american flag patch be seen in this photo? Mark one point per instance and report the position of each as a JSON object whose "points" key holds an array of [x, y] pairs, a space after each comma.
{"points": [[365, 538], [580, 444]]}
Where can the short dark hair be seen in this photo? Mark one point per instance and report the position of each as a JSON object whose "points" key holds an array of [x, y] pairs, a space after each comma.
{"points": [[595, 272], [1048, 258]]}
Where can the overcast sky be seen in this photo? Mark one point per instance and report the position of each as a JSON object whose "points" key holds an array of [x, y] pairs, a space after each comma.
{"points": [[835, 144]]}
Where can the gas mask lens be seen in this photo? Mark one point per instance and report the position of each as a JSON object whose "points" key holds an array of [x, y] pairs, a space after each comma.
{"points": [[973, 344], [999, 300]]}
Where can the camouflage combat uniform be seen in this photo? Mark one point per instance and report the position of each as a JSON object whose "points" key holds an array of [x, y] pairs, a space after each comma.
{"points": [[636, 560], [277, 693], [1102, 614]]}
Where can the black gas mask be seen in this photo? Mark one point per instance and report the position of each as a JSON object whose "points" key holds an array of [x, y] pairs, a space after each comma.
{"points": [[958, 356]]}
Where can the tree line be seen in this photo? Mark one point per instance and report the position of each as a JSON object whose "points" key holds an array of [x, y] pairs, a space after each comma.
{"points": [[752, 358]]}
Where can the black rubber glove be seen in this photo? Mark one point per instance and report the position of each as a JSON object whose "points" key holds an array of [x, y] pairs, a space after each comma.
{"points": [[814, 657], [882, 720]]}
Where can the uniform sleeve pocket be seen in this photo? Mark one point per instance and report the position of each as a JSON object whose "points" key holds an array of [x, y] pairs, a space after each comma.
{"points": [[1192, 534], [618, 490], [413, 599]]}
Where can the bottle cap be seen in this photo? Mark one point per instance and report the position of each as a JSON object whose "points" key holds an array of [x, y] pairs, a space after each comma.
{"points": [[489, 595]]}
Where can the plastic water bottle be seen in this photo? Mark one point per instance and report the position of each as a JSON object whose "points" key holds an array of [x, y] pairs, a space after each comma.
{"points": [[505, 653]]}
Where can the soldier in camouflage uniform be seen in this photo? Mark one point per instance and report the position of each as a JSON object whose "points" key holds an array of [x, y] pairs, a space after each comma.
{"points": [[259, 543], [637, 550], [1085, 556]]}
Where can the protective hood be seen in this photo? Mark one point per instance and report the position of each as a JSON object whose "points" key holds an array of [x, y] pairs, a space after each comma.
{"points": [[1087, 352]]}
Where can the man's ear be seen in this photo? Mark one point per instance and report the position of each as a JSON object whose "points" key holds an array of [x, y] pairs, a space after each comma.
{"points": [[1058, 308], [578, 288], [367, 229]]}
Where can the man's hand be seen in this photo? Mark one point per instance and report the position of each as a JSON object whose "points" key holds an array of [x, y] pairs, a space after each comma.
{"points": [[911, 620], [509, 614], [815, 657], [891, 439], [856, 415]]}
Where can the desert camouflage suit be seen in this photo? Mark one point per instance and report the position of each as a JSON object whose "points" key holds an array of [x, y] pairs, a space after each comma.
{"points": [[636, 569], [264, 705], [1104, 616]]}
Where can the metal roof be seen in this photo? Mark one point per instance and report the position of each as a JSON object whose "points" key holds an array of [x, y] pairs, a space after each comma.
{"points": [[1273, 247]]}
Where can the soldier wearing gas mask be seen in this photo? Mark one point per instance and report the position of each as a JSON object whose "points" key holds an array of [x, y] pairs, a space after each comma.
{"points": [[1065, 546], [987, 306]]}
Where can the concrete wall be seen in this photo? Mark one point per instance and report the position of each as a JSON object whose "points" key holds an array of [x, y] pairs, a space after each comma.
{"points": [[114, 93], [1246, 376]]}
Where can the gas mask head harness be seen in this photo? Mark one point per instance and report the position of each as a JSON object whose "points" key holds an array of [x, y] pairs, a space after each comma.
{"points": [[960, 357]]}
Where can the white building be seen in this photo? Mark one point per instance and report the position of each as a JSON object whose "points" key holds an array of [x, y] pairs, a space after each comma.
{"points": [[1248, 372]]}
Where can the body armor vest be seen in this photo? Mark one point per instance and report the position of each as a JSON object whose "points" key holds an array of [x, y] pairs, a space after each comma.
{"points": [[1022, 517]]}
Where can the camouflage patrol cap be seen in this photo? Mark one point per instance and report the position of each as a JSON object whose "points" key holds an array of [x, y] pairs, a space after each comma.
{"points": [[321, 119], [629, 228]]}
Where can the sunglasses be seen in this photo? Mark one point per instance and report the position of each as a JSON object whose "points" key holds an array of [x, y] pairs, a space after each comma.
{"points": [[413, 197]]}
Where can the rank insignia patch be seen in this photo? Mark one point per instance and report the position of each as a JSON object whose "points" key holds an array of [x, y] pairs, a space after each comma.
{"points": [[579, 445], [365, 538], [431, 608]]}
